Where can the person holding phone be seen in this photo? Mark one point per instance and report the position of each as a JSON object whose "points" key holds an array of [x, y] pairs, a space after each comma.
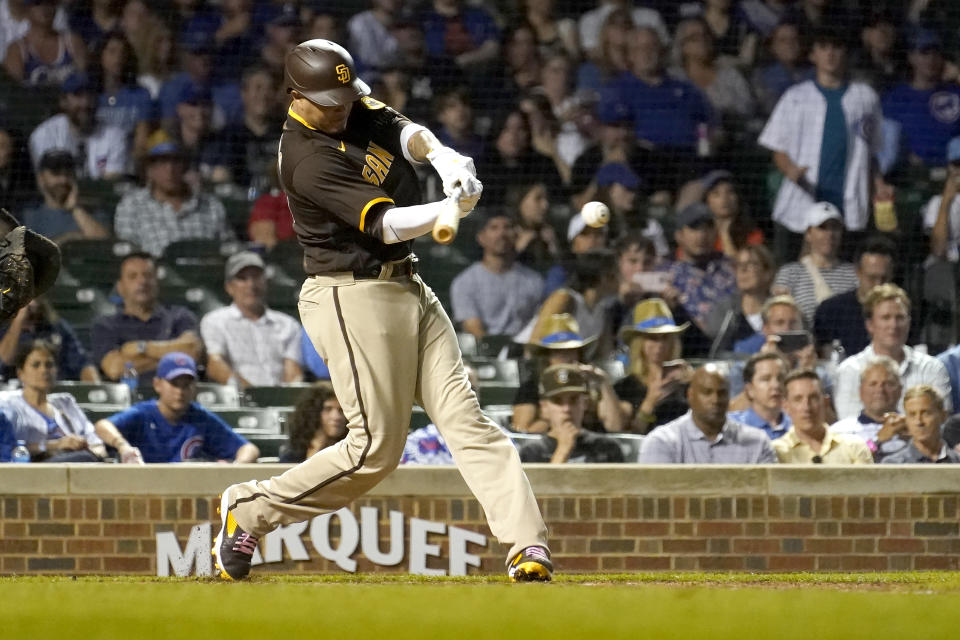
{"points": [[653, 391]]}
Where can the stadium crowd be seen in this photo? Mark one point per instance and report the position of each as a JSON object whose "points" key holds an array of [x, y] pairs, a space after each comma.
{"points": [[777, 282]]}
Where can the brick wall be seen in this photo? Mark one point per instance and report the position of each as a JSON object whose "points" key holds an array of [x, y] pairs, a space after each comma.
{"points": [[689, 529]]}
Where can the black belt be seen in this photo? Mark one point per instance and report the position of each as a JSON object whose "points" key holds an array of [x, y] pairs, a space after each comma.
{"points": [[406, 268]]}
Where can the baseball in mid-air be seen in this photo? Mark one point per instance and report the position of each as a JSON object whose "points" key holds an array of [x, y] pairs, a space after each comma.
{"points": [[595, 214]]}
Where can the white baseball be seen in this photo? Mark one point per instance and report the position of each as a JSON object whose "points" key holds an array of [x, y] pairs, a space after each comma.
{"points": [[595, 214]]}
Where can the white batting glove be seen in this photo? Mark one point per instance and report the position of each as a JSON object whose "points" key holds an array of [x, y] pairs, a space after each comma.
{"points": [[456, 170]]}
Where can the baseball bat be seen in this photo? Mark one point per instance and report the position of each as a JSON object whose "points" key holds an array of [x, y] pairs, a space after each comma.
{"points": [[448, 222]]}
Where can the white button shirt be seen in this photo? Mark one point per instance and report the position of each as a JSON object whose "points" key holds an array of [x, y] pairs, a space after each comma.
{"points": [[254, 349], [916, 368]]}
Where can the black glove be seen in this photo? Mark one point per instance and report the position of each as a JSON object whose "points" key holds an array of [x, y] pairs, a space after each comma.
{"points": [[29, 264]]}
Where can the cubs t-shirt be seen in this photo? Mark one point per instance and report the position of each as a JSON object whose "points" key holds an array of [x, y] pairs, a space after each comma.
{"points": [[199, 435], [928, 118]]}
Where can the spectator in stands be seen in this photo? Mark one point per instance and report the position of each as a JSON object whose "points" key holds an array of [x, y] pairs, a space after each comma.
{"points": [[740, 315], [102, 151], [16, 176], [511, 159], [809, 440], [426, 444], [204, 150], [879, 62], [455, 115], [887, 312], [563, 397], [282, 34], [926, 415], [592, 22], [735, 228], [609, 59], [561, 113], [235, 39], [121, 102], [167, 209], [667, 114], [554, 34], [763, 16], [652, 393], [778, 315], [270, 220], [840, 317], [52, 424], [581, 238], [156, 50], [835, 166], [941, 217], [15, 21], [44, 56], [558, 340], [60, 216], [927, 108], [496, 296], [371, 38], [317, 423], [705, 434], [820, 274], [537, 245], [197, 65], [249, 344], [785, 69], [618, 187], [697, 61], [39, 321], [8, 439], [951, 360], [701, 275], [142, 331], [735, 39], [173, 427], [465, 33], [878, 424], [763, 378], [249, 149]]}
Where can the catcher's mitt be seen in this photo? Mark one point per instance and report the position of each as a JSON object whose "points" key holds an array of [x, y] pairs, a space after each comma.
{"points": [[29, 264]]}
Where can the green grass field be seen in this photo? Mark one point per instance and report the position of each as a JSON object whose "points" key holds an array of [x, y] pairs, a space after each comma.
{"points": [[649, 606]]}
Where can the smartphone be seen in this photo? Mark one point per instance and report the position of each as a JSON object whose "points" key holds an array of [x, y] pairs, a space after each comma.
{"points": [[652, 281], [793, 340]]}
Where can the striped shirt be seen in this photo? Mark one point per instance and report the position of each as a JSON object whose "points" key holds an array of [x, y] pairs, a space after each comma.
{"points": [[842, 278], [152, 225], [255, 349]]}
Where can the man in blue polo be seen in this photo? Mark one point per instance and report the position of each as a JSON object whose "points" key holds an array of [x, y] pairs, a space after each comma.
{"points": [[174, 428], [927, 109], [763, 377]]}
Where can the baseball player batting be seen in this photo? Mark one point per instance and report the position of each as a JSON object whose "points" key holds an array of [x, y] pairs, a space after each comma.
{"points": [[346, 164]]}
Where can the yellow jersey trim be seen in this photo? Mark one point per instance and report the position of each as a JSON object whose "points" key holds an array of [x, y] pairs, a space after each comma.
{"points": [[342, 147], [299, 118], [363, 214]]}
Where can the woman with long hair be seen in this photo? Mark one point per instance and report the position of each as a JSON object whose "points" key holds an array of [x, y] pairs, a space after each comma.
{"points": [[652, 393], [735, 228], [317, 423], [537, 244], [53, 426], [121, 101]]}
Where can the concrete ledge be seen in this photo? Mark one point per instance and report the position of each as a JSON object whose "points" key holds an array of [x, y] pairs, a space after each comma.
{"points": [[573, 479], [34, 479]]}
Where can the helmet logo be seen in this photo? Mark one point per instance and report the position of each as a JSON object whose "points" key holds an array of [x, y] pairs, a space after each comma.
{"points": [[343, 73]]}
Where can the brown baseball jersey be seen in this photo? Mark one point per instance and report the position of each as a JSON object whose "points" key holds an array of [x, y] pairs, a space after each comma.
{"points": [[339, 186]]}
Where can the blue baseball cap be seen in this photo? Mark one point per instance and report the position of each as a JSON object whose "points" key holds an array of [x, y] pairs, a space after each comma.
{"points": [[953, 150], [925, 40], [76, 83], [715, 177], [195, 94], [176, 364], [619, 173]]}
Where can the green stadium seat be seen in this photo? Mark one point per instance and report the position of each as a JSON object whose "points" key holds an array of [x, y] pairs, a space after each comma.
{"points": [[201, 261], [492, 393], [468, 344], [288, 256], [101, 413], [496, 371], [96, 394], [96, 262], [493, 346], [80, 306], [286, 395], [629, 444], [268, 443], [419, 418], [212, 395], [256, 420], [200, 300]]}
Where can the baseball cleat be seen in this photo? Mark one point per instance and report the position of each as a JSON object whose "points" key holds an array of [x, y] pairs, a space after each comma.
{"points": [[233, 547], [531, 565]]}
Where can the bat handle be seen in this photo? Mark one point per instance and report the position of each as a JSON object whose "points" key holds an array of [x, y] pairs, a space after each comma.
{"points": [[448, 222]]}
